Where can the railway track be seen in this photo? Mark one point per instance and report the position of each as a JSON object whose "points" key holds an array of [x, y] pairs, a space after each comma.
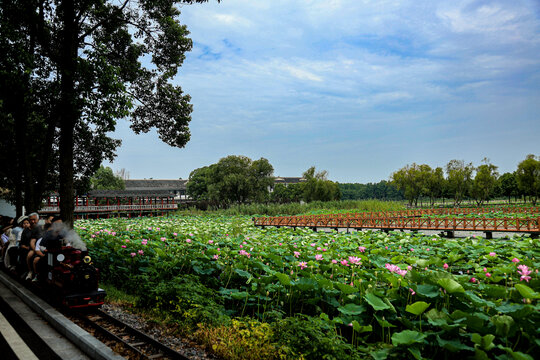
{"points": [[122, 338]]}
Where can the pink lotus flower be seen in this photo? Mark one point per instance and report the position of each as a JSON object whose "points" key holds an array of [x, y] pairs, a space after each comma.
{"points": [[488, 275], [302, 265], [354, 260], [427, 249], [515, 260], [175, 234], [473, 280], [344, 262], [412, 291], [312, 244], [524, 272], [133, 254], [113, 233], [319, 248], [445, 266], [396, 269], [279, 244], [401, 272], [412, 249], [391, 267], [188, 240], [241, 246], [386, 247], [93, 235], [123, 246], [485, 269], [296, 254], [216, 257], [334, 261], [492, 254], [245, 253], [362, 249], [140, 252], [409, 267], [318, 257]]}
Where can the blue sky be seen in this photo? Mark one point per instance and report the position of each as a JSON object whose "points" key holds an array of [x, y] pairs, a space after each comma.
{"points": [[355, 87]]}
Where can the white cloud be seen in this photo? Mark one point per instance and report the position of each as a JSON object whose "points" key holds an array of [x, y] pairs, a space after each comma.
{"points": [[302, 74]]}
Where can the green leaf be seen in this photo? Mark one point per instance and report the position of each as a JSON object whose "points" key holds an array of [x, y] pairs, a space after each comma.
{"points": [[417, 308], [415, 352], [376, 302], [407, 337], [305, 284], [485, 342], [284, 279], [503, 324], [351, 309], [239, 295], [361, 329], [380, 354], [384, 323], [527, 292], [451, 286], [345, 289], [243, 273], [430, 291], [453, 345]]}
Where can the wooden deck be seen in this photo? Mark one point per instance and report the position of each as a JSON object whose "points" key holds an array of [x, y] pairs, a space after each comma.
{"points": [[414, 220]]}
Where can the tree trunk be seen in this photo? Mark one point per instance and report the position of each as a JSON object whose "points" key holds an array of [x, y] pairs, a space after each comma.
{"points": [[68, 112]]}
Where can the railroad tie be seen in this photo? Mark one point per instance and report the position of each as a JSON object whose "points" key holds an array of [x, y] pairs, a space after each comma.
{"points": [[156, 356], [137, 344]]}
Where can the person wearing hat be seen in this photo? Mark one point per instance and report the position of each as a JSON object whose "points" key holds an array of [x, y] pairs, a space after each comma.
{"points": [[10, 258], [7, 224]]}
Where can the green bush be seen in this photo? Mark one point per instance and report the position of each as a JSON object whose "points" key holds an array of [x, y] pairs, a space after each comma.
{"points": [[185, 299], [305, 337]]}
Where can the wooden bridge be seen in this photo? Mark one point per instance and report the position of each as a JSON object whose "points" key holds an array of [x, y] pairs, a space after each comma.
{"points": [[107, 203], [414, 220]]}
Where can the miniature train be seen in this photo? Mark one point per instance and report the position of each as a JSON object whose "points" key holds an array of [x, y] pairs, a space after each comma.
{"points": [[70, 279]]}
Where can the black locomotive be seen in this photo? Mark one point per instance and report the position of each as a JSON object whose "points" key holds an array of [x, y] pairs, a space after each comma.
{"points": [[71, 279], [68, 278]]}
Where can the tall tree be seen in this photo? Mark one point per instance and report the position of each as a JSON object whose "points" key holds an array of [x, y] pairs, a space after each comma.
{"points": [[409, 180], [528, 177], [459, 179], [233, 179], [107, 60], [105, 179], [317, 187], [485, 182], [508, 185], [434, 184]]}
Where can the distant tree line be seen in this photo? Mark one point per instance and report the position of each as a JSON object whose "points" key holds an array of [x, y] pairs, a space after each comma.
{"points": [[464, 181], [383, 190], [240, 180]]}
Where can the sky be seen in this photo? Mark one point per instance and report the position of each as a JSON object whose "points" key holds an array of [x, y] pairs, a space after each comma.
{"points": [[355, 87]]}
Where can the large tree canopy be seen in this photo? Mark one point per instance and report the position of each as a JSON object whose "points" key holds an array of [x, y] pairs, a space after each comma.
{"points": [[232, 180], [95, 62]]}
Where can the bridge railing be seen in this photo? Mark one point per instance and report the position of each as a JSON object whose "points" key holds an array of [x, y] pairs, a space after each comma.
{"points": [[531, 225], [111, 208]]}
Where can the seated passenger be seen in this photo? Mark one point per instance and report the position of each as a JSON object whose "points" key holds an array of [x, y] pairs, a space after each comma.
{"points": [[6, 231], [28, 236], [10, 259], [51, 240]]}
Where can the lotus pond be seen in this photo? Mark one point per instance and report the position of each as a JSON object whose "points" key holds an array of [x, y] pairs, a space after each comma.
{"points": [[288, 293]]}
